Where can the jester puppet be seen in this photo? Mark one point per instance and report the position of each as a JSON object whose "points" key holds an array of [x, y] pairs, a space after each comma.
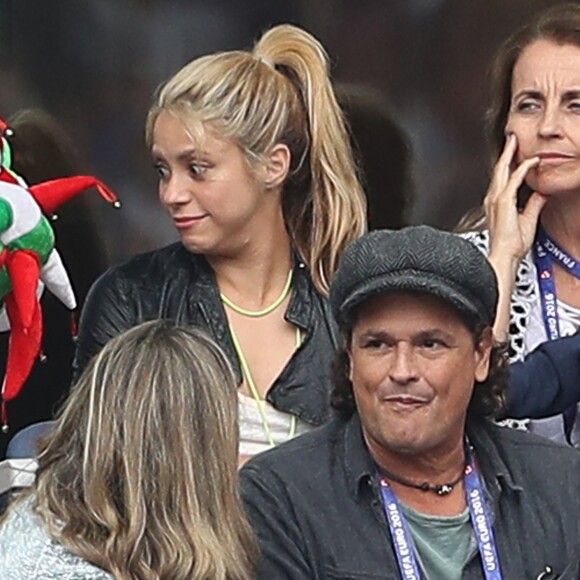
{"points": [[28, 259]]}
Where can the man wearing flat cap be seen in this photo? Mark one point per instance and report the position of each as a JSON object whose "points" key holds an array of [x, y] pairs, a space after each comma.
{"points": [[412, 479]]}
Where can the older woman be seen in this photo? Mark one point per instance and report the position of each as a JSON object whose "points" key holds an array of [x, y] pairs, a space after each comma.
{"points": [[533, 202], [131, 484]]}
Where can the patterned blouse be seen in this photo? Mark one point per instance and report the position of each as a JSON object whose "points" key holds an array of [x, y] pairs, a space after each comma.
{"points": [[527, 331]]}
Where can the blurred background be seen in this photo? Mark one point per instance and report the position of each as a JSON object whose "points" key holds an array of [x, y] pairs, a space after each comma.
{"points": [[412, 76], [94, 66]]}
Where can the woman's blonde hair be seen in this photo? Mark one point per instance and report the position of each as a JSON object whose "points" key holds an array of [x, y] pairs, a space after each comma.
{"points": [[139, 475], [280, 92]]}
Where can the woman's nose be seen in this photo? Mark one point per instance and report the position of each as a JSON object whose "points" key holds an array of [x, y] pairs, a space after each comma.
{"points": [[175, 190], [550, 123]]}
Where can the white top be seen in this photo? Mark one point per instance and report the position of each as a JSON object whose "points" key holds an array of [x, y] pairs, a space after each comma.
{"points": [[569, 319], [253, 437], [17, 473]]}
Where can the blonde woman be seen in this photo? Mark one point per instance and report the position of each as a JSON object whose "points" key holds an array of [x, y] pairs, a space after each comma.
{"points": [[256, 172], [131, 483]]}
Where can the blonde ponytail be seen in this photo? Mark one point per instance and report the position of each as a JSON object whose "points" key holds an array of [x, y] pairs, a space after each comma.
{"points": [[334, 213], [281, 93]]}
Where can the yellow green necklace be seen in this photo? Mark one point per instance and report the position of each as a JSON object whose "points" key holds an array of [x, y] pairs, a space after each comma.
{"points": [[268, 309], [244, 363]]}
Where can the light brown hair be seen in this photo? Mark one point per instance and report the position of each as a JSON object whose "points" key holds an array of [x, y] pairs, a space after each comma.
{"points": [[559, 24], [139, 475], [281, 92]]}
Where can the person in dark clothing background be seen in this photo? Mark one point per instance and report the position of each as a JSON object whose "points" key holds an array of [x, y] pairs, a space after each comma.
{"points": [[382, 153]]}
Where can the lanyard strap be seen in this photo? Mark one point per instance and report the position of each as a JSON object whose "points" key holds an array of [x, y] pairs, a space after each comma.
{"points": [[546, 252], [557, 253], [480, 518], [547, 288], [261, 403], [400, 534]]}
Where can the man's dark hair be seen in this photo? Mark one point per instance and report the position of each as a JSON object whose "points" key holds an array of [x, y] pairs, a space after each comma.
{"points": [[487, 400]]}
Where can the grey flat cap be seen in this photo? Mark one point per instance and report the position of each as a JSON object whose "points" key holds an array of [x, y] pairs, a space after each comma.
{"points": [[416, 258]]}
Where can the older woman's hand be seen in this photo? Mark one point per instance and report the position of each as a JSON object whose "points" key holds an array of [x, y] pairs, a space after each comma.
{"points": [[511, 232]]}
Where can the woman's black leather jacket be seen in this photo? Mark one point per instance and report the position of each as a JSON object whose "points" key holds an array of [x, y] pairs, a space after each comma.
{"points": [[174, 284]]}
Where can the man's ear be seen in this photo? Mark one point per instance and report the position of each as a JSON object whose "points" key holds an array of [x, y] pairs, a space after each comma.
{"points": [[347, 340], [277, 166], [349, 366], [483, 354]]}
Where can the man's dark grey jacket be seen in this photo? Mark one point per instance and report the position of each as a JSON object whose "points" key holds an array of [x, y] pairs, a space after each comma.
{"points": [[317, 511]]}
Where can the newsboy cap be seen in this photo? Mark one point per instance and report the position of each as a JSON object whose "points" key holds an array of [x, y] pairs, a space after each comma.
{"points": [[418, 259]]}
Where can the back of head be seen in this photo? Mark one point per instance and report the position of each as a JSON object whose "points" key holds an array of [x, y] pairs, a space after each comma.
{"points": [[280, 92], [383, 153], [41, 148], [141, 470]]}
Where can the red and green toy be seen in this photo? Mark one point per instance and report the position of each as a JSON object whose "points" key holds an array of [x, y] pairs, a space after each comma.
{"points": [[28, 259]]}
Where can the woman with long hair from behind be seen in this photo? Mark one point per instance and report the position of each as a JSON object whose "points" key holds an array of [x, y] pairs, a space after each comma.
{"points": [[139, 477]]}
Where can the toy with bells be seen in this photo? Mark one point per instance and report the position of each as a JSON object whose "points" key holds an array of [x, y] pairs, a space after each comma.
{"points": [[28, 258]]}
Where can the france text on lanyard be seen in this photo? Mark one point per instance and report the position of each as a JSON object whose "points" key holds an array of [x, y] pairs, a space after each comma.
{"points": [[546, 252], [480, 519]]}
